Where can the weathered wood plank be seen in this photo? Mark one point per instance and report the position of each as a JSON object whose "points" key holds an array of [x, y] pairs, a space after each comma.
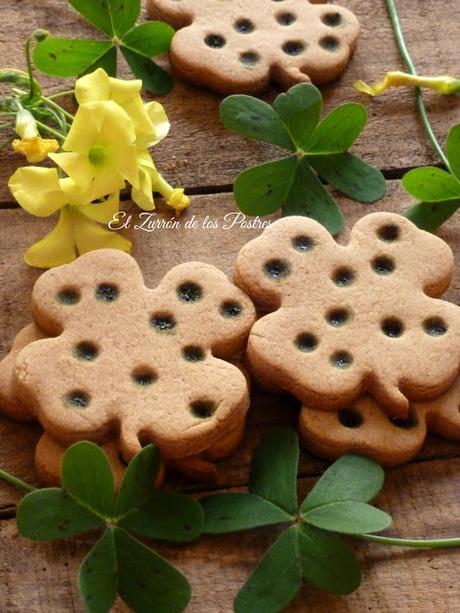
{"points": [[201, 153], [422, 498], [156, 252]]}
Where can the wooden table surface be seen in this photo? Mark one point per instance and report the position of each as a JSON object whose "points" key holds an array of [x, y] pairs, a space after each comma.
{"points": [[201, 155]]}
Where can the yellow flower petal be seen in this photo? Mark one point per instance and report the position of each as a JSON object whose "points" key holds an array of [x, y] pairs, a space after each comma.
{"points": [[104, 211], [443, 84], [92, 87], [159, 120], [90, 236], [26, 125], [57, 248], [75, 194], [178, 200], [35, 148], [143, 195], [76, 165], [37, 190]]}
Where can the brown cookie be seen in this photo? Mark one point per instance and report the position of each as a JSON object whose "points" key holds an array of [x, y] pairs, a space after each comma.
{"points": [[8, 401], [139, 364], [366, 429], [49, 455], [352, 319], [240, 46]]}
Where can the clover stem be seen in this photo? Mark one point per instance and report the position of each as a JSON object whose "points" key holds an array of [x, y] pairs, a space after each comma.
{"points": [[411, 69], [419, 543], [15, 481]]}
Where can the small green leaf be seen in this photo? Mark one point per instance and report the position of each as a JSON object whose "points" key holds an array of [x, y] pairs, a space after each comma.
{"points": [[431, 184], [123, 14], [351, 175], [88, 477], [299, 109], [348, 517], [139, 480], [50, 514], [233, 512], [262, 189], [147, 582], [274, 465], [154, 79], [453, 150], [429, 216], [108, 62], [339, 130], [168, 516], [275, 581], [351, 477], [149, 39], [65, 57], [307, 196], [96, 12], [97, 579], [255, 119], [327, 562]]}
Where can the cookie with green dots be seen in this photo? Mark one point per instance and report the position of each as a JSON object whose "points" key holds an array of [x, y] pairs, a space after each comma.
{"points": [[355, 318], [138, 365], [242, 45]]}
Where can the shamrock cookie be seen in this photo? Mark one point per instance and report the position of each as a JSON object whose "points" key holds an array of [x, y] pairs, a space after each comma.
{"points": [[240, 46], [366, 429], [9, 404], [134, 363], [352, 319], [49, 455]]}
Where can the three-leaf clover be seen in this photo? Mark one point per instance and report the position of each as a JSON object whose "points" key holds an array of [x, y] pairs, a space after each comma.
{"points": [[308, 547], [66, 57], [437, 190], [118, 563], [319, 150]]}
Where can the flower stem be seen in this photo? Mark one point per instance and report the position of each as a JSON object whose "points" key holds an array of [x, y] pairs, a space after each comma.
{"points": [[419, 543], [15, 481], [69, 92], [58, 108], [52, 131], [411, 69]]}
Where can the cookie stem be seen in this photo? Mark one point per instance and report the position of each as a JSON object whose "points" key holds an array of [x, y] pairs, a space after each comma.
{"points": [[419, 543], [411, 68], [15, 481]]}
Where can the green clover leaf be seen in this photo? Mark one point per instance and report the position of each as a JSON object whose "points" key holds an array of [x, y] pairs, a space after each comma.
{"points": [[118, 563], [65, 57], [307, 547], [437, 190], [294, 184]]}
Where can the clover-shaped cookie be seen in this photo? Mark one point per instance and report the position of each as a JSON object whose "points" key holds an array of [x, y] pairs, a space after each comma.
{"points": [[234, 47], [145, 365], [352, 319], [366, 429]]}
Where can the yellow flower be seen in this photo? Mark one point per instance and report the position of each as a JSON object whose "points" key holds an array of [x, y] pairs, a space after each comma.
{"points": [[31, 145], [99, 150], [150, 180], [150, 120], [35, 149], [41, 192], [443, 84]]}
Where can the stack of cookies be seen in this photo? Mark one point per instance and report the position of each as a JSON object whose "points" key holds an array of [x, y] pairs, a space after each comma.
{"points": [[357, 333], [111, 361]]}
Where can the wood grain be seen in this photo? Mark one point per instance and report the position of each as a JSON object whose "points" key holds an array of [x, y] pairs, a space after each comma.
{"points": [[202, 155], [422, 498]]}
